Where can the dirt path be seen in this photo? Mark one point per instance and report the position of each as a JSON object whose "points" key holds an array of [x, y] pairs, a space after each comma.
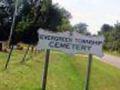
{"points": [[113, 60]]}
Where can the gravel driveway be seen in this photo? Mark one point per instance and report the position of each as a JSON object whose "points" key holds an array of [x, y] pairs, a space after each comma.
{"points": [[113, 60]]}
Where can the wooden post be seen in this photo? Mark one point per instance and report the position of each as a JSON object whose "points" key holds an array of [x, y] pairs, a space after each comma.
{"points": [[45, 70], [26, 53], [9, 56], [87, 79]]}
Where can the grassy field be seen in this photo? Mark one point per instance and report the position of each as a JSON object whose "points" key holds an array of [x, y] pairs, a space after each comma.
{"points": [[113, 53], [65, 73]]}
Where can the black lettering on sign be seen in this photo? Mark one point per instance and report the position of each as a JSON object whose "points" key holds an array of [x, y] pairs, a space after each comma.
{"points": [[100, 42], [90, 42], [48, 37], [81, 47], [53, 44], [41, 37], [57, 45], [65, 45]]}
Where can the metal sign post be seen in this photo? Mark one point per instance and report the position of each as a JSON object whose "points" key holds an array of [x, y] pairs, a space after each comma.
{"points": [[45, 70], [76, 43], [87, 79]]}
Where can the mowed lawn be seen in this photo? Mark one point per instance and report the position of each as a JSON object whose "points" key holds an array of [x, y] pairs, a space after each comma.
{"points": [[65, 73]]}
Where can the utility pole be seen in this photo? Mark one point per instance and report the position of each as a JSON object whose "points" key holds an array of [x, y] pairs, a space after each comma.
{"points": [[11, 32], [13, 22]]}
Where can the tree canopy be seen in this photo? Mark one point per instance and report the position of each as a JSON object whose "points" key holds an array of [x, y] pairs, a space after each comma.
{"points": [[32, 15], [112, 37], [81, 28]]}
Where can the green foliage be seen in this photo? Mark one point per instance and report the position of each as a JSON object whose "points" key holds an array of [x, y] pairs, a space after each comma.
{"points": [[81, 28], [32, 15], [5, 22], [57, 19], [112, 37]]}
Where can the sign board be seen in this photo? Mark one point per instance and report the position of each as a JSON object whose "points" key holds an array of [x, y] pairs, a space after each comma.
{"points": [[71, 43]]}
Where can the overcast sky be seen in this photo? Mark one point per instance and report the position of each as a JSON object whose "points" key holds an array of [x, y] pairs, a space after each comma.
{"points": [[93, 12]]}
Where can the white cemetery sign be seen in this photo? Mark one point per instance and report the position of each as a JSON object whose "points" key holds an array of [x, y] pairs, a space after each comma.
{"points": [[71, 44]]}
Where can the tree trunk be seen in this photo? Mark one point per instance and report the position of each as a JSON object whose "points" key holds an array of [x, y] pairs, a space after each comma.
{"points": [[0, 46], [25, 55]]}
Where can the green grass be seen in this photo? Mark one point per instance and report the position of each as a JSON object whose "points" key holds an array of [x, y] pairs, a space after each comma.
{"points": [[113, 53], [65, 73]]}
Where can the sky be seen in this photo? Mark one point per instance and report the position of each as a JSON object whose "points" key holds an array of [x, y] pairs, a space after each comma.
{"points": [[94, 13]]}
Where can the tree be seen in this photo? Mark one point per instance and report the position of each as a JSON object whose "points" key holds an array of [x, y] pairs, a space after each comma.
{"points": [[112, 35], [106, 28], [46, 16], [117, 36], [5, 20], [32, 15], [81, 28], [35, 14]]}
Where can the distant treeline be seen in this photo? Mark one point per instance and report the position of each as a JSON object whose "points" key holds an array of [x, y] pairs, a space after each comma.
{"points": [[112, 37]]}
